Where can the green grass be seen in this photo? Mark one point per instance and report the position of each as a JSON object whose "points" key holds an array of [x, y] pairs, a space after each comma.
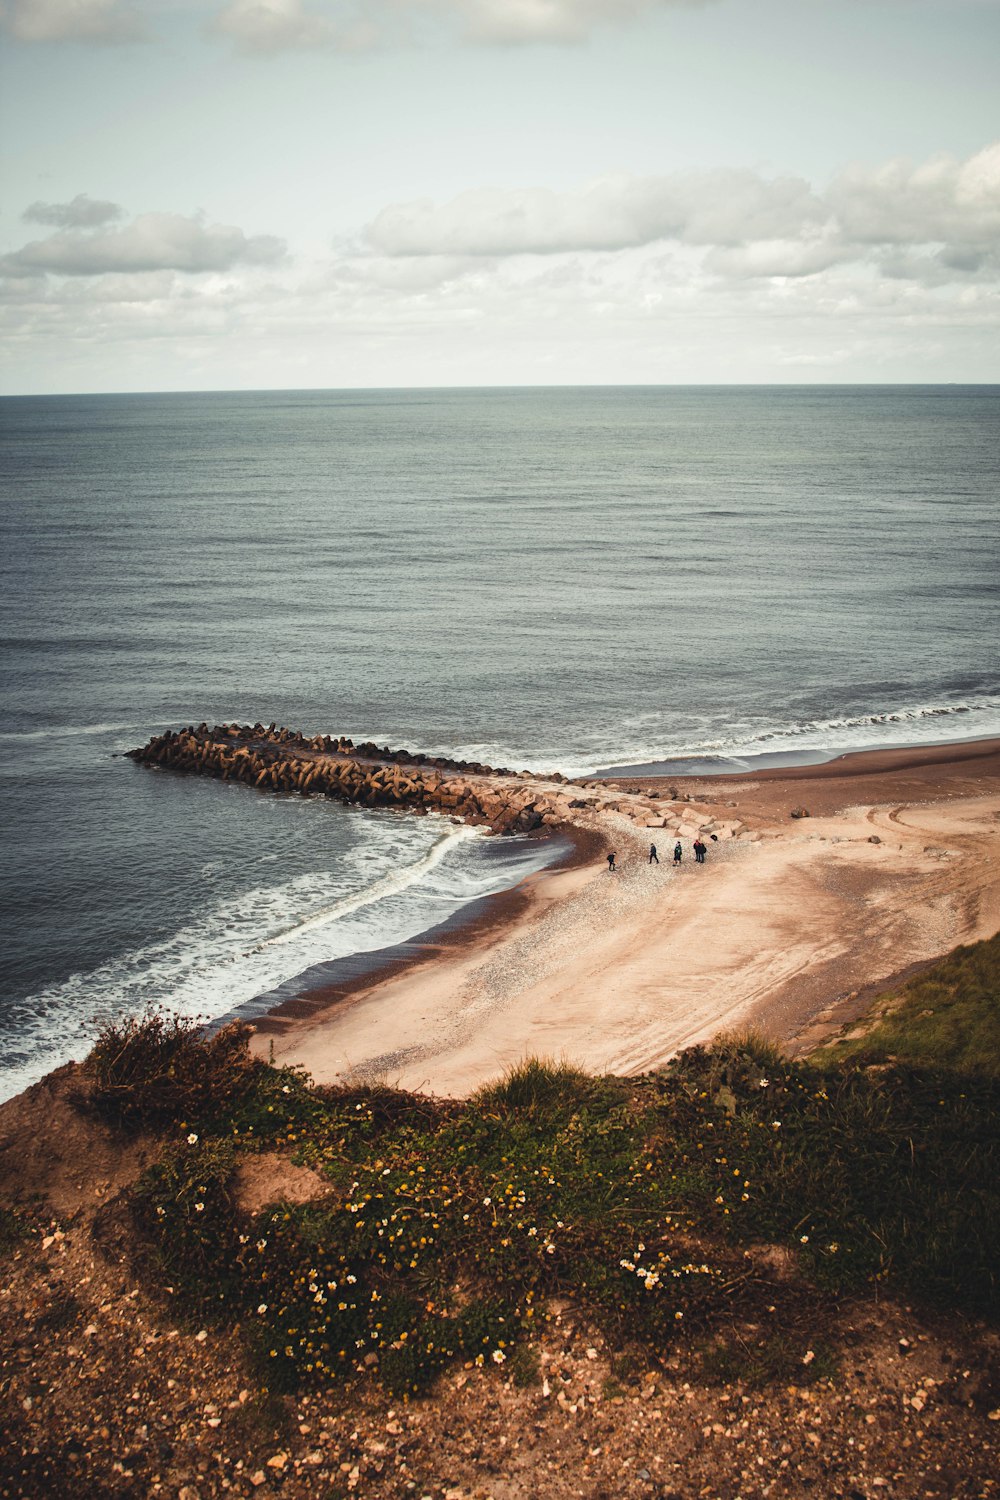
{"points": [[947, 1017], [534, 1086], [448, 1227], [881, 1175]]}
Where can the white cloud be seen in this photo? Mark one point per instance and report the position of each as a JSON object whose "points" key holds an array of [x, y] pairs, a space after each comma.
{"points": [[776, 257], [270, 26], [524, 21], [944, 213], [80, 213], [731, 277], [940, 200], [264, 26], [152, 242], [72, 20], [613, 213], [651, 314]]}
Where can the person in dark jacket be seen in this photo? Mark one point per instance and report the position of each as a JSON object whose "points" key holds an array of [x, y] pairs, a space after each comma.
{"points": [[699, 850], [654, 858], [611, 861], [678, 852]]}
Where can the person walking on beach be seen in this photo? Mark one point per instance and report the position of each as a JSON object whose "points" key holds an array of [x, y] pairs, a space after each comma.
{"points": [[678, 852], [611, 862], [654, 858], [699, 850]]}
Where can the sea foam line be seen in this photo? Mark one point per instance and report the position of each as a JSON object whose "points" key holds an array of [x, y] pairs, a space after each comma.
{"points": [[979, 717], [68, 731], [389, 885]]}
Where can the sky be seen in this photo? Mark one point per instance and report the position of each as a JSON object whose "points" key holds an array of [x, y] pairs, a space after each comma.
{"points": [[264, 194]]}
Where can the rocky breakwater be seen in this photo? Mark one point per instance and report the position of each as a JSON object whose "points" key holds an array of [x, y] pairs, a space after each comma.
{"points": [[282, 760], [369, 775]]}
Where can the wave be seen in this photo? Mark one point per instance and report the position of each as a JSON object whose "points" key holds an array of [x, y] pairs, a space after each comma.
{"points": [[928, 721], [390, 885], [253, 941], [71, 731], [653, 737]]}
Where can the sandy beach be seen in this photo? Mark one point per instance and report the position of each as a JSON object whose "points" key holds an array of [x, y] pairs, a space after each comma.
{"points": [[789, 927]]}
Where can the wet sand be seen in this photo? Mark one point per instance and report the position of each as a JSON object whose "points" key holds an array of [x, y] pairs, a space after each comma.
{"points": [[789, 926]]}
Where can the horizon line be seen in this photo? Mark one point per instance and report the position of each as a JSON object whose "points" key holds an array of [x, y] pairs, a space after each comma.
{"points": [[641, 385]]}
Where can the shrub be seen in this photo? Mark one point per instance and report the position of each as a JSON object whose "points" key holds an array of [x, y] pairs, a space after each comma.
{"points": [[158, 1068], [184, 1203]]}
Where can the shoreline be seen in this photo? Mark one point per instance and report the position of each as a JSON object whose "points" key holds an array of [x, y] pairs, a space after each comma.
{"points": [[315, 1000], [793, 928], [805, 763], [480, 919], [488, 915]]}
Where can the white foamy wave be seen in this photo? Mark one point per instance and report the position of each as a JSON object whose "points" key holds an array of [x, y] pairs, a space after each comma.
{"points": [[391, 885], [923, 723], [260, 939], [69, 731], [655, 737]]}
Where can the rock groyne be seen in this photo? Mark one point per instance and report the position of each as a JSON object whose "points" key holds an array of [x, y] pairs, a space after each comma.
{"points": [[509, 802], [283, 760]]}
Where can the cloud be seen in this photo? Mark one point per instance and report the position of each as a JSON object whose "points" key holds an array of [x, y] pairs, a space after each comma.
{"points": [[887, 272], [270, 26], [525, 21], [943, 213], [267, 27], [152, 242], [263, 26], [72, 20], [80, 213], [613, 213], [938, 200], [776, 257], [653, 314]]}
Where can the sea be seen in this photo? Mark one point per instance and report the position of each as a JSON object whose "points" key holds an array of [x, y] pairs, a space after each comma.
{"points": [[709, 577]]}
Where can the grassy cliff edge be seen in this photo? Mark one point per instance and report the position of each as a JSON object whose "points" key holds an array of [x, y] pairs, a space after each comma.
{"points": [[724, 1218]]}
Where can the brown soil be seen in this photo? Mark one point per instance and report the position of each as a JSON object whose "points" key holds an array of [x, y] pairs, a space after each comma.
{"points": [[107, 1392]]}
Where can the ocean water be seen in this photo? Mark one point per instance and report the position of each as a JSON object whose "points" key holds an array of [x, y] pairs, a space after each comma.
{"points": [[548, 578]]}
